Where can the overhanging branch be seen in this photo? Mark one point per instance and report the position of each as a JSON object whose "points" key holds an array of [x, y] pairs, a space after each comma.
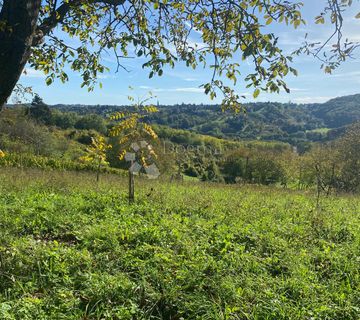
{"points": [[58, 15]]}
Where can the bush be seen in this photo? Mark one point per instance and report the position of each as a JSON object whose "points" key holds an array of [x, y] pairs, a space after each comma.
{"points": [[92, 122], [265, 171], [31, 161]]}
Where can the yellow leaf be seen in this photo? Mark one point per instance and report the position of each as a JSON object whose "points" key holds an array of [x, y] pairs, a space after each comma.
{"points": [[256, 93], [320, 20]]}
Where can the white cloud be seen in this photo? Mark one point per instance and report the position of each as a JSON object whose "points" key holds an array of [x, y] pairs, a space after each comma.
{"points": [[190, 90], [187, 75], [297, 90], [106, 76], [196, 44], [319, 99], [346, 74], [193, 29], [246, 94], [288, 39], [180, 89]]}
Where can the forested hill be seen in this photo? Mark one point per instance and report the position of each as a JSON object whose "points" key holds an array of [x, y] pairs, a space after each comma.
{"points": [[338, 112], [289, 122]]}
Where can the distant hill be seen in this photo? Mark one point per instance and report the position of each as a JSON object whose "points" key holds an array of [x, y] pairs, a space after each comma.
{"points": [[338, 112], [287, 122]]}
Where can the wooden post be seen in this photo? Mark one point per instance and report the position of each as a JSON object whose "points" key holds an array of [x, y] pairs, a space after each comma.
{"points": [[98, 172], [131, 185]]}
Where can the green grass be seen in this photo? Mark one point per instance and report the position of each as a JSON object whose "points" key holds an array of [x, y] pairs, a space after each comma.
{"points": [[71, 249], [320, 130]]}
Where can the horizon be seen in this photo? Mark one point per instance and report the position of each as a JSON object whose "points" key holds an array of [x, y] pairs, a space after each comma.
{"points": [[188, 104]]}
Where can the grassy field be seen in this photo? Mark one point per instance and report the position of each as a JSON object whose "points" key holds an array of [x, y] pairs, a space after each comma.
{"points": [[320, 130], [71, 249]]}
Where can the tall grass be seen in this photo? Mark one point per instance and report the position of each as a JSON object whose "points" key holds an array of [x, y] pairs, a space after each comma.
{"points": [[74, 249]]}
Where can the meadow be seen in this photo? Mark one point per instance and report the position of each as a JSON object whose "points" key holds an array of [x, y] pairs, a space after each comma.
{"points": [[74, 249]]}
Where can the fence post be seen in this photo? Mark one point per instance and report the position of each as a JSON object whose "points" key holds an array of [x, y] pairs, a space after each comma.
{"points": [[131, 185]]}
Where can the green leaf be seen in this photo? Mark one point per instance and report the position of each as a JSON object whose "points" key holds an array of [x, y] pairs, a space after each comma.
{"points": [[256, 93], [48, 81]]}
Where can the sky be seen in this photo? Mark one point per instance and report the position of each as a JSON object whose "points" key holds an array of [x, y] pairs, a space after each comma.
{"points": [[182, 84]]}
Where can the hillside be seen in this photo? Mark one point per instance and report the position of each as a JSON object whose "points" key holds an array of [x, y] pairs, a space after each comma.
{"points": [[287, 122], [51, 139], [338, 112]]}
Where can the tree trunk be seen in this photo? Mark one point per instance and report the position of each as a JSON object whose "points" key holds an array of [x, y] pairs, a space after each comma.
{"points": [[18, 21], [131, 187]]}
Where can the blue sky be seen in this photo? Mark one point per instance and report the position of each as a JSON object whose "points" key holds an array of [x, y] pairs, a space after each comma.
{"points": [[181, 84]]}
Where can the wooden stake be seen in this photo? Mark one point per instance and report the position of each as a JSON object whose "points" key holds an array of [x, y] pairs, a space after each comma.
{"points": [[131, 186]]}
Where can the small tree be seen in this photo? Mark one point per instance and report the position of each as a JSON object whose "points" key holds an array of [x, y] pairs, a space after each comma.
{"points": [[40, 111], [322, 166], [134, 134], [349, 151], [96, 154]]}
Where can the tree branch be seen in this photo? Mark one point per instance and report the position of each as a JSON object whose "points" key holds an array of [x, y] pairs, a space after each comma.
{"points": [[58, 16]]}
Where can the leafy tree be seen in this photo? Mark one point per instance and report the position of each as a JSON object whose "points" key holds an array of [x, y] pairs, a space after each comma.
{"points": [[96, 154], [212, 173], [253, 166], [323, 167], [133, 131], [36, 32], [40, 111], [265, 170], [233, 168], [91, 122], [25, 135], [86, 137], [349, 151], [190, 170], [64, 120], [334, 166]]}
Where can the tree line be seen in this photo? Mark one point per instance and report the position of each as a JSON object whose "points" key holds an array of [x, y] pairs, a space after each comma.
{"points": [[327, 167], [297, 124]]}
